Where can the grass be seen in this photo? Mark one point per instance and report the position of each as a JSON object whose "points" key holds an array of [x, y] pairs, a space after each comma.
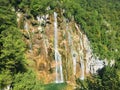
{"points": [[55, 86]]}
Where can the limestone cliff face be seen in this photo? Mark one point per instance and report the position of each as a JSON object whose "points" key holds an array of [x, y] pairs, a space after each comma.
{"points": [[68, 47]]}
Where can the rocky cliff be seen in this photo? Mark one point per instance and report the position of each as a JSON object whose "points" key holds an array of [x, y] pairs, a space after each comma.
{"points": [[58, 49]]}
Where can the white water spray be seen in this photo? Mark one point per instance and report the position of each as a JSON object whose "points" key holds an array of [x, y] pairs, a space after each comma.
{"points": [[59, 74]]}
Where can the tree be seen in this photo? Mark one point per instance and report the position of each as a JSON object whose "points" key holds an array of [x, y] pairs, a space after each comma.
{"points": [[107, 79], [5, 78], [12, 53], [110, 78], [27, 81], [12, 47]]}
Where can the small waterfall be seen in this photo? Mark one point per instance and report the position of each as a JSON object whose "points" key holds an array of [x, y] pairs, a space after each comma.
{"points": [[45, 45], [73, 53], [88, 54], [41, 29], [81, 52], [74, 57], [93, 63], [81, 57], [18, 16], [59, 74], [26, 27], [82, 66]]}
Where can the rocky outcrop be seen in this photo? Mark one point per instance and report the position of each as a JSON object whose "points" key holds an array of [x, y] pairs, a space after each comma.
{"points": [[76, 57]]}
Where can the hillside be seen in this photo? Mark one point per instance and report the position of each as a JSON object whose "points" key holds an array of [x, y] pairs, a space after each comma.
{"points": [[59, 44]]}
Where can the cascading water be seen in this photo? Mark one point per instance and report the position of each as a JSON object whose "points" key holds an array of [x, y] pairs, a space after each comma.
{"points": [[74, 57], [59, 74], [88, 53], [73, 53], [46, 45], [45, 42], [93, 64], [26, 27], [81, 57], [41, 29], [81, 52], [82, 65]]}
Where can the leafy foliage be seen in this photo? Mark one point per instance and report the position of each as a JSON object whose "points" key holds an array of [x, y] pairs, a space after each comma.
{"points": [[99, 20], [11, 45], [7, 17], [12, 53], [5, 78], [107, 79], [54, 86], [27, 81]]}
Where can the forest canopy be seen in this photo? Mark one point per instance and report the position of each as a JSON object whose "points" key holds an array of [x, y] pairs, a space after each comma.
{"points": [[98, 19]]}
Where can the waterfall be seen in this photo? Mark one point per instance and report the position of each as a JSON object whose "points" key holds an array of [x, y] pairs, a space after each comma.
{"points": [[26, 27], [73, 53], [18, 16], [93, 63], [81, 58], [45, 40], [70, 46], [82, 66], [88, 53], [81, 51], [59, 74], [74, 57]]}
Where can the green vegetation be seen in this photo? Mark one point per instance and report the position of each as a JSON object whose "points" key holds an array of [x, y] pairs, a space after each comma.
{"points": [[54, 86], [98, 19], [107, 79], [28, 82], [12, 48]]}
